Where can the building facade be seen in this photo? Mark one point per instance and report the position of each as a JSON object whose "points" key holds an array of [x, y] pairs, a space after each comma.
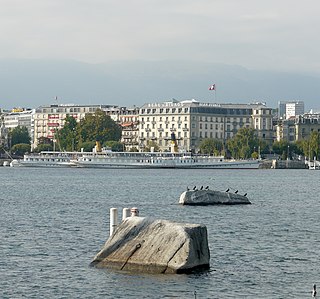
{"points": [[289, 109], [18, 117], [192, 121], [47, 119], [298, 128]]}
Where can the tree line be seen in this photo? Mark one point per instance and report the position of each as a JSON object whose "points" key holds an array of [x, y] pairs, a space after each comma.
{"points": [[245, 144], [75, 136]]}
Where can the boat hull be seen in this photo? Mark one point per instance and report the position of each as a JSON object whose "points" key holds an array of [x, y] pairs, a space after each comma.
{"points": [[218, 165]]}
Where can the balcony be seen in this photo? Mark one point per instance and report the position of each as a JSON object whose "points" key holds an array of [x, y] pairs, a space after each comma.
{"points": [[53, 125]]}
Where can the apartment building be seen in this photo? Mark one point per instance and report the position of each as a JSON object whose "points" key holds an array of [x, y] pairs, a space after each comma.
{"points": [[298, 128], [47, 119], [19, 117], [128, 118], [192, 121]]}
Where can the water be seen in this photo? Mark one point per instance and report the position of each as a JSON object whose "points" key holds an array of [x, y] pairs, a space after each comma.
{"points": [[53, 221]]}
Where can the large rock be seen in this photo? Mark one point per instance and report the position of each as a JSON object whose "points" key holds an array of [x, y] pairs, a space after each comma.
{"points": [[211, 197], [156, 246]]}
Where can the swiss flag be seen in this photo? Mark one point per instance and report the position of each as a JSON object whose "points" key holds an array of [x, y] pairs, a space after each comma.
{"points": [[212, 87]]}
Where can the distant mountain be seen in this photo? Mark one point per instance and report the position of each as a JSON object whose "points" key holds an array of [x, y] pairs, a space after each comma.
{"points": [[32, 83]]}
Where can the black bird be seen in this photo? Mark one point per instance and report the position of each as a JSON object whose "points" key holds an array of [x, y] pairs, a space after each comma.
{"points": [[207, 188], [188, 189], [314, 291], [195, 187], [236, 191], [227, 190], [201, 187], [245, 194]]}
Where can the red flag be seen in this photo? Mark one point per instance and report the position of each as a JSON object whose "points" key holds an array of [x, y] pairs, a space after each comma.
{"points": [[212, 87]]}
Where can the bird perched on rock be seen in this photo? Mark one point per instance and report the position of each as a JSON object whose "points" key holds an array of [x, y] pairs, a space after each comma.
{"points": [[195, 187], [228, 190], [201, 187], [188, 189], [245, 194], [207, 188], [314, 291], [236, 192]]}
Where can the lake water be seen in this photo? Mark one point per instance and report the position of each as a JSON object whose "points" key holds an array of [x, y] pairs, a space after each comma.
{"points": [[53, 221]]}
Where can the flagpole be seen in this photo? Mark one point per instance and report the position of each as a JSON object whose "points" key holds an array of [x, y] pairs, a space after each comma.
{"points": [[213, 87]]}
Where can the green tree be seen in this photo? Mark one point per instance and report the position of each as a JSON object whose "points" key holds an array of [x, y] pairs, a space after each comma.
{"points": [[314, 142], [20, 149], [115, 146], [286, 149], [87, 146], [243, 144], [134, 149], [99, 127], [19, 135], [67, 136], [210, 145], [43, 147]]}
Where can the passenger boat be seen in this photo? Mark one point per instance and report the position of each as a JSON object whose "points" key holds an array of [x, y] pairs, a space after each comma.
{"points": [[159, 160], [46, 159]]}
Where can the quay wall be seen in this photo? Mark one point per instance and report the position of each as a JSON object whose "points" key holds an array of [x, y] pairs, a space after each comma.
{"points": [[283, 164]]}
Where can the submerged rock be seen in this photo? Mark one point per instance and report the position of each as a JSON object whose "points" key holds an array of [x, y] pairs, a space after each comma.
{"points": [[211, 197], [155, 246]]}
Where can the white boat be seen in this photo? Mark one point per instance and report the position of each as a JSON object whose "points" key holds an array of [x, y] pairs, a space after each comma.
{"points": [[46, 159], [314, 165], [159, 160]]}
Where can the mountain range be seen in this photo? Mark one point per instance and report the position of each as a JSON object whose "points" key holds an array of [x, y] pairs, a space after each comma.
{"points": [[32, 83]]}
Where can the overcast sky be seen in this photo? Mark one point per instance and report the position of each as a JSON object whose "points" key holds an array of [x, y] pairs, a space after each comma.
{"points": [[275, 34]]}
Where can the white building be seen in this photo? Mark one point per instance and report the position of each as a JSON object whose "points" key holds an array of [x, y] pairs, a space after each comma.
{"points": [[192, 121], [22, 118], [294, 108]]}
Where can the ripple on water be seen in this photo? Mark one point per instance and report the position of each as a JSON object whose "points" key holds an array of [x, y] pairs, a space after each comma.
{"points": [[53, 221]]}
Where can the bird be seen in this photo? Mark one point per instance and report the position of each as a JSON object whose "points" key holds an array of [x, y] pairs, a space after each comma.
{"points": [[207, 188], [227, 190], [201, 187], [195, 187], [188, 189], [245, 194], [236, 191], [314, 291]]}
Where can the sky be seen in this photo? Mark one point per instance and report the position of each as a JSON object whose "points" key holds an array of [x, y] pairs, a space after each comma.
{"points": [[277, 35]]}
